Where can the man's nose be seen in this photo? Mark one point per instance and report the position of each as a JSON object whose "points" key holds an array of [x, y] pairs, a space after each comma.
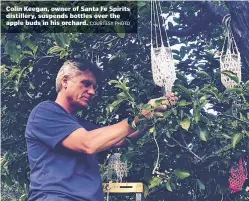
{"points": [[91, 91]]}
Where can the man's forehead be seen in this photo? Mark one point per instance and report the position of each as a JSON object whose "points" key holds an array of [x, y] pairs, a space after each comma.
{"points": [[87, 75]]}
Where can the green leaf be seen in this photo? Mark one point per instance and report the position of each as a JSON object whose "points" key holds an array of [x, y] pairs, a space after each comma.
{"points": [[123, 86], [116, 56], [24, 197], [176, 51], [168, 186], [66, 39], [226, 136], [247, 132], [182, 39], [141, 3], [35, 49], [28, 52], [31, 85], [146, 191], [122, 95], [155, 182], [63, 54], [184, 103], [32, 45], [133, 124], [236, 138], [55, 49], [181, 174], [204, 119], [152, 130], [197, 115], [8, 180], [61, 39], [203, 132], [176, 57], [170, 24], [203, 99], [176, 19], [167, 114], [246, 85], [200, 184], [14, 53], [213, 91], [231, 75], [203, 74], [120, 30], [20, 75], [8, 47], [114, 104], [114, 82], [182, 51], [234, 90], [185, 124], [14, 72], [184, 89]]}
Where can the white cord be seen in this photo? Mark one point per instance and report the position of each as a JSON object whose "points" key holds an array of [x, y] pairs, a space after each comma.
{"points": [[159, 24], [164, 20], [153, 4], [108, 191], [158, 152]]}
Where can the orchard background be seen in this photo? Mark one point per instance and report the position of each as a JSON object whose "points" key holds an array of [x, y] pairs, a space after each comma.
{"points": [[200, 138]]}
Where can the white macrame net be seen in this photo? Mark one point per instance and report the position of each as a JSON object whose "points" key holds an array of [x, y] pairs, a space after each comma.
{"points": [[230, 56], [116, 168], [162, 62]]}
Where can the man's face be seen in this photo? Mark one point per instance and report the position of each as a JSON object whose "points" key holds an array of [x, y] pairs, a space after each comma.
{"points": [[80, 89]]}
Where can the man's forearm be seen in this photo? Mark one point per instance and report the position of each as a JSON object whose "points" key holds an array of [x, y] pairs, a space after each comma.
{"points": [[134, 136], [106, 137]]}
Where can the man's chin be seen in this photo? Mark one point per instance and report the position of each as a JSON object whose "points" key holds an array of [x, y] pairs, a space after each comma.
{"points": [[84, 104]]}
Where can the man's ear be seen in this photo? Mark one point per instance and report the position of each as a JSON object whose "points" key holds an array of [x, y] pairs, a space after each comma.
{"points": [[64, 82]]}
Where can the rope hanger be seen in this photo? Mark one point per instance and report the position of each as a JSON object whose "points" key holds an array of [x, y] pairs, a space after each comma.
{"points": [[230, 59], [162, 62]]}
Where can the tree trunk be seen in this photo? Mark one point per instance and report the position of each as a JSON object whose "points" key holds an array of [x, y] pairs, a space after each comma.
{"points": [[239, 11]]}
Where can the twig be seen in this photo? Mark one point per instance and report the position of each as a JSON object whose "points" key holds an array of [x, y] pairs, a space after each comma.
{"points": [[184, 140], [222, 197], [4, 144], [198, 157], [44, 58], [226, 115], [216, 153]]}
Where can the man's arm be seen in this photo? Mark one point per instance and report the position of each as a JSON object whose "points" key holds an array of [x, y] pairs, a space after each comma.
{"points": [[99, 139], [137, 134], [134, 136], [104, 138]]}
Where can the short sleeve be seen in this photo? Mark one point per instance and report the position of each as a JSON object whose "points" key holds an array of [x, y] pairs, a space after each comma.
{"points": [[52, 125]]}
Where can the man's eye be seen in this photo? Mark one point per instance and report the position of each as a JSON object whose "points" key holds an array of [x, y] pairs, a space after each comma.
{"points": [[87, 83]]}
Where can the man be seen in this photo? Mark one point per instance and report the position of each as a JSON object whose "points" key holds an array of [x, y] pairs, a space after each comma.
{"points": [[61, 148]]}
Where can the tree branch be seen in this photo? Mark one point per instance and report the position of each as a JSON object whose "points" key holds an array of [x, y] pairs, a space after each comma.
{"points": [[226, 115], [4, 144], [196, 28], [239, 11], [227, 147], [214, 14], [198, 157]]}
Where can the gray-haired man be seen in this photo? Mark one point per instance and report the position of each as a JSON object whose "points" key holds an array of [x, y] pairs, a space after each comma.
{"points": [[62, 148]]}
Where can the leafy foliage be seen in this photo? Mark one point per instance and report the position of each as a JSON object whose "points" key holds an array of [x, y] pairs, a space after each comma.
{"points": [[199, 138]]}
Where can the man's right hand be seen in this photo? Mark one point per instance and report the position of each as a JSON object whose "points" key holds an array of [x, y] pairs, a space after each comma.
{"points": [[166, 102]]}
